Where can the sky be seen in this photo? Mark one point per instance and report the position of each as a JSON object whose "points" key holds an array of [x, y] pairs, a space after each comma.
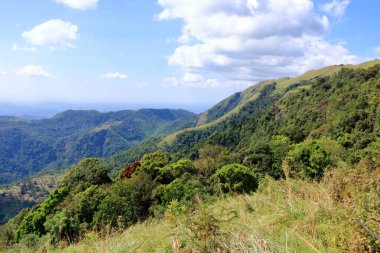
{"points": [[172, 53]]}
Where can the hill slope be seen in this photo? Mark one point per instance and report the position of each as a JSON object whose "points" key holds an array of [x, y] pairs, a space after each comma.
{"points": [[235, 124], [28, 146], [305, 150]]}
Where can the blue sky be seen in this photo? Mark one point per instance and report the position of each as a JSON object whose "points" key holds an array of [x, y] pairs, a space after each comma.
{"points": [[176, 53]]}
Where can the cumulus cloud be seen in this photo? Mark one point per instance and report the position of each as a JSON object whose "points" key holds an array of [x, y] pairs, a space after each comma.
{"points": [[251, 39], [79, 4], [114, 75], [53, 34], [16, 47], [34, 71], [336, 8]]}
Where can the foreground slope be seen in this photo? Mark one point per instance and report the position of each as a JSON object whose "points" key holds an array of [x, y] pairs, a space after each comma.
{"points": [[28, 146]]}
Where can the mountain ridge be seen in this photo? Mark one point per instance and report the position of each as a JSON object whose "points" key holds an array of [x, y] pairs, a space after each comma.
{"points": [[73, 135]]}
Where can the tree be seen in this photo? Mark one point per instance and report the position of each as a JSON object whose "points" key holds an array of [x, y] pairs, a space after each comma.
{"points": [[88, 172], [62, 226], [121, 208], [175, 170], [310, 159], [235, 178], [89, 203], [151, 163]]}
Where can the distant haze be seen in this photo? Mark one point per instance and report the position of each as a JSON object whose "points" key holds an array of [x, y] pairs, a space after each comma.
{"points": [[47, 110]]}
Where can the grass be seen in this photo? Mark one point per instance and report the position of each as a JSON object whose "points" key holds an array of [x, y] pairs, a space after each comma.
{"points": [[282, 216], [253, 93], [290, 215]]}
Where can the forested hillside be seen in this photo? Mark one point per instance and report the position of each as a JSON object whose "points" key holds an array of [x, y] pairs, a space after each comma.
{"points": [[28, 146], [294, 166]]}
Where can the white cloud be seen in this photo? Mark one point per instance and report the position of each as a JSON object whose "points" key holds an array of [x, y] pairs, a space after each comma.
{"points": [[16, 47], [198, 81], [54, 34], [336, 8], [251, 39], [114, 75], [3, 72], [79, 4], [34, 71], [376, 50]]}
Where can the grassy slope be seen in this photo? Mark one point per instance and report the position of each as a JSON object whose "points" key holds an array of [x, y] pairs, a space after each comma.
{"points": [[252, 93], [283, 216]]}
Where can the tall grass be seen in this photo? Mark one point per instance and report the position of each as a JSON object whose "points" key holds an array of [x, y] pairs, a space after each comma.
{"points": [[291, 215]]}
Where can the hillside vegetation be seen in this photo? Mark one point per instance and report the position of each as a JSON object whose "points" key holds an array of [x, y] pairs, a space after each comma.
{"points": [[29, 146], [27, 193], [292, 167]]}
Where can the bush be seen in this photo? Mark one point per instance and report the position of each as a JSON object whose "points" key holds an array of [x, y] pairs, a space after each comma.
{"points": [[88, 172], [151, 163], [266, 158], [175, 170], [89, 203], [183, 189], [121, 208], [235, 178], [310, 160], [62, 227], [145, 186], [33, 222]]}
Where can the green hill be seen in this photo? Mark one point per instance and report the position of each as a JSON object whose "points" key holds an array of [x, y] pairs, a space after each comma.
{"points": [[29, 146], [289, 165]]}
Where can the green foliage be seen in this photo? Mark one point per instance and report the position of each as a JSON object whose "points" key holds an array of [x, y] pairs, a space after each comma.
{"points": [[119, 211], [175, 170], [307, 126], [235, 178], [89, 203], [145, 186], [29, 146], [153, 162], [266, 158], [121, 207], [212, 157], [310, 159], [183, 189], [62, 227], [88, 172], [33, 222], [8, 231]]}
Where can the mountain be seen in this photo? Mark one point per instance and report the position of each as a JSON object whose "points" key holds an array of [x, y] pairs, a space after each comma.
{"points": [[239, 122], [29, 146], [287, 165]]}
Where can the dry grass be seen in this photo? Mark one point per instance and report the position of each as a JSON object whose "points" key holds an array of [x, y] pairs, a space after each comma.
{"points": [[283, 216]]}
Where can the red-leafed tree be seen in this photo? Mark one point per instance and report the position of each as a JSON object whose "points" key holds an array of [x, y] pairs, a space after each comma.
{"points": [[129, 170]]}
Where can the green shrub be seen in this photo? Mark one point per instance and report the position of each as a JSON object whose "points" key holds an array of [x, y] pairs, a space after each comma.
{"points": [[175, 170], [310, 159], [88, 172], [121, 208], [89, 203], [62, 227], [145, 186], [235, 178], [33, 222], [183, 189], [151, 163]]}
